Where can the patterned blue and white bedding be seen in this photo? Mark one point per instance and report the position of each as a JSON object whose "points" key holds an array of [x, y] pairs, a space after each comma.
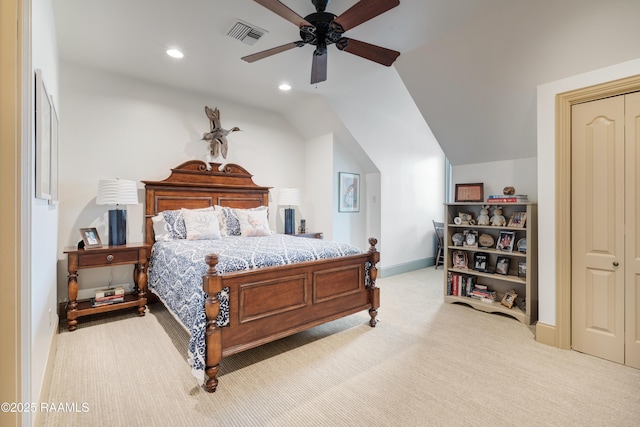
{"points": [[177, 266]]}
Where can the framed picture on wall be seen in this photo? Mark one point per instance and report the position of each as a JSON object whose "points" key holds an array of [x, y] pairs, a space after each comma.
{"points": [[55, 156], [43, 139], [349, 191]]}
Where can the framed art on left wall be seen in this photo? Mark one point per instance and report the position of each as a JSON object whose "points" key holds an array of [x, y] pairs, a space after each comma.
{"points": [[55, 156], [43, 138]]}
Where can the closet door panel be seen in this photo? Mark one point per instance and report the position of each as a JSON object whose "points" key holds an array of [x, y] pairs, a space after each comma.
{"points": [[632, 246], [598, 191]]}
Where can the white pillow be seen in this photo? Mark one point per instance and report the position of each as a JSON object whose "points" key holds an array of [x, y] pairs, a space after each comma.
{"points": [[201, 225], [253, 222]]}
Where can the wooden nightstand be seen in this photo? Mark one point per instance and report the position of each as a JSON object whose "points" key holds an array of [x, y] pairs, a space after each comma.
{"points": [[310, 235], [132, 253]]}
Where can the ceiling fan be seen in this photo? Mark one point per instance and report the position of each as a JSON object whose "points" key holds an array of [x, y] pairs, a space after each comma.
{"points": [[322, 29]]}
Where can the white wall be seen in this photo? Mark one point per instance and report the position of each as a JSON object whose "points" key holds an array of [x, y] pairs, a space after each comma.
{"points": [[518, 173], [44, 217], [115, 126], [317, 196], [546, 174], [411, 172]]}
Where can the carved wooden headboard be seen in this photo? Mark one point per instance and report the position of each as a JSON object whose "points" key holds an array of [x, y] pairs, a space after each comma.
{"points": [[194, 185]]}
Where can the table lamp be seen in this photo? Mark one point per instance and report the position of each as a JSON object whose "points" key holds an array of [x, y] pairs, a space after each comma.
{"points": [[117, 192], [289, 197]]}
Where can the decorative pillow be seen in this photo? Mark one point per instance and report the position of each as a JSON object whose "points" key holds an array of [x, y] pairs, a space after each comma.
{"points": [[160, 228], [175, 222], [201, 225], [253, 222], [230, 221]]}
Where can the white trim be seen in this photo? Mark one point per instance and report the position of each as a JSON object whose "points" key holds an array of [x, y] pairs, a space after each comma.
{"points": [[26, 190]]}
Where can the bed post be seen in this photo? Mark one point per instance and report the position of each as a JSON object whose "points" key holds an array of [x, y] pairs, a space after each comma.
{"points": [[211, 285], [374, 292]]}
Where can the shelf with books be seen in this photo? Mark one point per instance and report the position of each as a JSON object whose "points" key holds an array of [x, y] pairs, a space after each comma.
{"points": [[86, 307], [500, 257]]}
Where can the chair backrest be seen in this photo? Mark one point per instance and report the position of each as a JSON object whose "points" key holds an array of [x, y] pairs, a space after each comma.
{"points": [[439, 227]]}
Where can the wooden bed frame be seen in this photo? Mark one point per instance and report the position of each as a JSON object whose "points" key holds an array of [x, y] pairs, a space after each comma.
{"points": [[309, 293]]}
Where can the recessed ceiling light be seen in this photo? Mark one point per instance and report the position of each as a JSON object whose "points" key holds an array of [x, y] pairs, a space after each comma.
{"points": [[284, 86], [175, 53]]}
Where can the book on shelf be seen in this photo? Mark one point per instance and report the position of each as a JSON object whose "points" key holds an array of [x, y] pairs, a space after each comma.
{"points": [[112, 301], [501, 198], [108, 292], [116, 298]]}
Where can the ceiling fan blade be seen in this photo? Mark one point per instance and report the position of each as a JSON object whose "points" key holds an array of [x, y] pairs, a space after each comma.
{"points": [[363, 11], [280, 9], [272, 51], [374, 53], [319, 68]]}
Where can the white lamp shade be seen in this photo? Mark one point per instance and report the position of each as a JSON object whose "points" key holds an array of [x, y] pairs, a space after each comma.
{"points": [[289, 196], [117, 192]]}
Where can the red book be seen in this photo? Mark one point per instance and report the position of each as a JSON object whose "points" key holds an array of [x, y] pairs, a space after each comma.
{"points": [[110, 298], [502, 200]]}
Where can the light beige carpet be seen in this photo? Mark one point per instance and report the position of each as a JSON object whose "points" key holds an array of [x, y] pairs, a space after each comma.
{"points": [[426, 363]]}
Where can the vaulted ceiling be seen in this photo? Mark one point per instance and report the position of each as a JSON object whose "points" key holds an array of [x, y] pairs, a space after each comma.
{"points": [[471, 67]]}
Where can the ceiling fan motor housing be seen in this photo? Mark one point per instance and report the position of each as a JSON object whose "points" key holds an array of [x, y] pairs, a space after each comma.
{"points": [[323, 31]]}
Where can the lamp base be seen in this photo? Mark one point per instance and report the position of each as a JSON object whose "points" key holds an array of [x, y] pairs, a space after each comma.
{"points": [[117, 227], [289, 221]]}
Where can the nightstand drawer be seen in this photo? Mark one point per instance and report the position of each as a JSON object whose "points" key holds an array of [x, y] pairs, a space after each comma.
{"points": [[102, 258]]}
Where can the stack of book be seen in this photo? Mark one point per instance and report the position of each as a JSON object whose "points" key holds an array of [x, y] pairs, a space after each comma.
{"points": [[501, 198], [108, 296], [482, 293]]}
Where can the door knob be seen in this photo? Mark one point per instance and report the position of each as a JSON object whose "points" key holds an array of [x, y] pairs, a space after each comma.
{"points": [[615, 263]]}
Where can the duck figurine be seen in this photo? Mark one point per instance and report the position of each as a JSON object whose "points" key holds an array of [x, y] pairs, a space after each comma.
{"points": [[217, 137]]}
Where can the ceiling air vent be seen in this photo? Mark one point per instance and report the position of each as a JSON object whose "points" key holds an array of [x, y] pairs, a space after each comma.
{"points": [[246, 33]]}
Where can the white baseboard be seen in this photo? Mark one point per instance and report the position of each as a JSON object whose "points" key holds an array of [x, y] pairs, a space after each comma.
{"points": [[48, 373]]}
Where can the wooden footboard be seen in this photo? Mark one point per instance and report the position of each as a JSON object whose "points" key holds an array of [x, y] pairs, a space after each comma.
{"points": [[267, 303], [271, 303]]}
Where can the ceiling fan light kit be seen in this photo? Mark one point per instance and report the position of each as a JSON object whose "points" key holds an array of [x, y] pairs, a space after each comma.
{"points": [[322, 29]]}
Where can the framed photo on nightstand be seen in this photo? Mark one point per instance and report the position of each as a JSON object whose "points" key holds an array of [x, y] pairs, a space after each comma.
{"points": [[90, 238]]}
